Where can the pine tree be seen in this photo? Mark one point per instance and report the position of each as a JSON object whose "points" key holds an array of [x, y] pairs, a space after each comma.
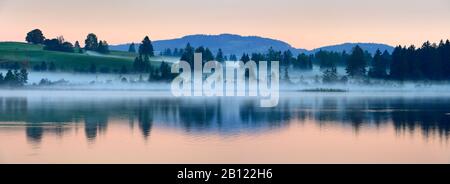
{"points": [[9, 78], [78, 47], [132, 48], [378, 68], [398, 67], [303, 62], [286, 58], [165, 71], [330, 75], [356, 65], [22, 76], [207, 55], [433, 69], [146, 47], [245, 58], [103, 47], [188, 54], [219, 56], [233, 57]]}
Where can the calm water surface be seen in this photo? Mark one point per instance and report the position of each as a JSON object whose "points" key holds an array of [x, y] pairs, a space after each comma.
{"points": [[121, 127]]}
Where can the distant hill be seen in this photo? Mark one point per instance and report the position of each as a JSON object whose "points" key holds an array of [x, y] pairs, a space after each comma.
{"points": [[347, 47], [229, 43], [236, 44]]}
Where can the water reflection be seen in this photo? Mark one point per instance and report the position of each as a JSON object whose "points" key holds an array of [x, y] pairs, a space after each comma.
{"points": [[46, 115]]}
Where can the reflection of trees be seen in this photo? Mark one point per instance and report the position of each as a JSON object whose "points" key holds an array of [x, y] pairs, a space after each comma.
{"points": [[251, 114], [225, 114], [34, 133], [94, 124], [429, 116], [199, 115], [145, 118]]}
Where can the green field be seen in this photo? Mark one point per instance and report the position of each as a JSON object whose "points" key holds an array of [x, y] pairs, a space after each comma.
{"points": [[30, 55]]}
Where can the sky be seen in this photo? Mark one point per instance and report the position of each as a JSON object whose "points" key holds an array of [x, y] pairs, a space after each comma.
{"points": [[302, 23]]}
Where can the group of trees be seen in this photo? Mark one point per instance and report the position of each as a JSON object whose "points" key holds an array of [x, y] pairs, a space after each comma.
{"points": [[429, 62], [168, 52], [93, 44], [59, 44], [14, 78], [356, 64], [55, 44], [142, 62]]}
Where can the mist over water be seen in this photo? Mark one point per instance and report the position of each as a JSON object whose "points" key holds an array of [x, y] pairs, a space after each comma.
{"points": [[300, 80]]}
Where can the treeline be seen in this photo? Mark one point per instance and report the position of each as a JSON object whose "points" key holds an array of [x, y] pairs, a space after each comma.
{"points": [[177, 52], [142, 62], [14, 78], [429, 62], [59, 44]]}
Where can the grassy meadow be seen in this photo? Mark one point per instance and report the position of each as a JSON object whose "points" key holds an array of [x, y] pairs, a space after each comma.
{"points": [[29, 55]]}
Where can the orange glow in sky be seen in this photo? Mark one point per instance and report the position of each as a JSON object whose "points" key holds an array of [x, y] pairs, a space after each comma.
{"points": [[303, 24]]}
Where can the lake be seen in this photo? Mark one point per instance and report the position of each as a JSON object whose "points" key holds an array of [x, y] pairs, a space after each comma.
{"points": [[154, 127]]}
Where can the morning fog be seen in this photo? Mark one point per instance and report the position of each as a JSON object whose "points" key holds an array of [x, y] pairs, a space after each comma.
{"points": [[233, 78]]}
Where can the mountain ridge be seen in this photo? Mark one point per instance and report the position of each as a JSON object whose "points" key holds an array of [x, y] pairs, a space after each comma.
{"points": [[237, 44]]}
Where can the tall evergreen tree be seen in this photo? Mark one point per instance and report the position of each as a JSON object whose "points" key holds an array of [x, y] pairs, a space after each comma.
{"points": [[303, 62], [398, 67], [132, 48], [165, 70], [77, 47], [245, 58], [286, 58], [273, 55], [103, 47], [146, 47], [188, 54], [356, 65], [433, 69], [233, 57], [330, 75], [9, 78], [219, 56], [378, 68], [207, 55], [445, 58], [22, 77]]}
